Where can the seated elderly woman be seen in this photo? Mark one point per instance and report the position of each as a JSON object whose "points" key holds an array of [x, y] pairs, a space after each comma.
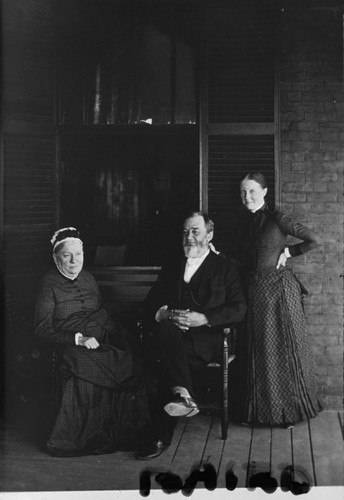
{"points": [[103, 404]]}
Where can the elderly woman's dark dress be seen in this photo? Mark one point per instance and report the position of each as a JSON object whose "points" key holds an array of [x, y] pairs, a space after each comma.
{"points": [[281, 384], [98, 384]]}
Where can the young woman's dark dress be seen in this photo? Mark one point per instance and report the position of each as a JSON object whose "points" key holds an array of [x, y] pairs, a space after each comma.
{"points": [[281, 384], [99, 386]]}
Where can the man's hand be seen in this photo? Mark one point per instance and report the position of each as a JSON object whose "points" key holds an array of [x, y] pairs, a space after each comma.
{"points": [[185, 319], [89, 342]]}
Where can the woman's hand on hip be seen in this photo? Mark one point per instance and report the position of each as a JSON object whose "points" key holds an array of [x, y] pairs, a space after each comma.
{"points": [[282, 260]]}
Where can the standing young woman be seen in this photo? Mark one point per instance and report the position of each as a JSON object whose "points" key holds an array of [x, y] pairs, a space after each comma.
{"points": [[281, 382]]}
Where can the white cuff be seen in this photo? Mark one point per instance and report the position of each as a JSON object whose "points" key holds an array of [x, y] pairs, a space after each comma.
{"points": [[77, 337], [158, 315], [287, 253]]}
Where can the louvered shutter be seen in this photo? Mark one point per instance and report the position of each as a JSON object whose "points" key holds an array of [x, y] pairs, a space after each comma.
{"points": [[238, 126], [28, 173]]}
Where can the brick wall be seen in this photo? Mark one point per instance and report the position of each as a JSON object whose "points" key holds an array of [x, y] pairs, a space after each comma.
{"points": [[312, 131]]}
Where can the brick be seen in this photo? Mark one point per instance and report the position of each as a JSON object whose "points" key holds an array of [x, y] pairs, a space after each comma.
{"points": [[329, 360], [317, 330], [331, 145], [333, 402], [333, 237], [291, 136], [309, 207], [289, 116], [290, 176], [330, 136], [331, 267], [338, 97], [312, 283], [293, 197], [338, 299], [306, 146], [301, 167], [285, 127], [331, 207], [333, 187], [285, 146], [332, 105], [301, 66], [297, 186], [325, 340], [317, 350], [334, 166], [330, 126], [331, 350], [323, 176], [321, 156], [314, 96], [316, 288], [321, 194], [334, 371], [332, 228], [304, 125], [324, 379], [333, 287], [308, 85], [324, 319], [313, 309], [320, 299], [335, 390], [299, 157], [319, 117], [314, 136], [295, 96], [320, 370], [287, 208], [333, 85]]}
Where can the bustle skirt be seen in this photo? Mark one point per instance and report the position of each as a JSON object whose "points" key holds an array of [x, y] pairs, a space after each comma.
{"points": [[281, 387]]}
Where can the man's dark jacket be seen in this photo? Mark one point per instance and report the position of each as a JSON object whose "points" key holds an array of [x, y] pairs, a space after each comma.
{"points": [[217, 293]]}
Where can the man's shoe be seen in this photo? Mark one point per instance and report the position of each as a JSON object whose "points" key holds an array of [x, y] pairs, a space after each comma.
{"points": [[181, 407], [152, 450]]}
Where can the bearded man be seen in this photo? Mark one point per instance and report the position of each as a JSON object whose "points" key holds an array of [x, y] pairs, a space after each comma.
{"points": [[188, 306]]}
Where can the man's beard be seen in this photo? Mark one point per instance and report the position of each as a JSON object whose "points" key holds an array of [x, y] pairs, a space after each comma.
{"points": [[196, 250]]}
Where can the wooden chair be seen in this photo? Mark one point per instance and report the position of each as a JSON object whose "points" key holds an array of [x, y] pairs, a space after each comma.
{"points": [[227, 357]]}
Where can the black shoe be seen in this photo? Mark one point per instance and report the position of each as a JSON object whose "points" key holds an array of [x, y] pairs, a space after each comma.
{"points": [[181, 407], [152, 450]]}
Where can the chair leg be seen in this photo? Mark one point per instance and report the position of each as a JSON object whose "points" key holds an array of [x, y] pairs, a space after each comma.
{"points": [[224, 409]]}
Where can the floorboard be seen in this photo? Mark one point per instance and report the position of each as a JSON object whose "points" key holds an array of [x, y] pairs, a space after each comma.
{"points": [[213, 451], [302, 452], [327, 449], [259, 459], [235, 454], [281, 455], [191, 448]]}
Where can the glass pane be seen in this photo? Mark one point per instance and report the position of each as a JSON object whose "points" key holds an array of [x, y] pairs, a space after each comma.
{"points": [[126, 63], [131, 191]]}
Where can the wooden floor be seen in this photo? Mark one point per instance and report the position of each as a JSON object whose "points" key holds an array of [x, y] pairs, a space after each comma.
{"points": [[315, 447]]}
